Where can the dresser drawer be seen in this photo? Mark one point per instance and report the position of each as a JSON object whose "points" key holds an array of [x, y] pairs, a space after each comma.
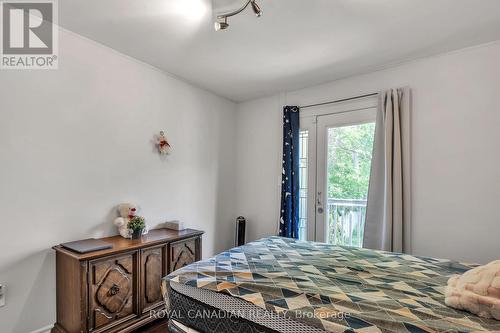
{"points": [[182, 253], [112, 293]]}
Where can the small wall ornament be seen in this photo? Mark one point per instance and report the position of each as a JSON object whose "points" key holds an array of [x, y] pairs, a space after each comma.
{"points": [[163, 146]]}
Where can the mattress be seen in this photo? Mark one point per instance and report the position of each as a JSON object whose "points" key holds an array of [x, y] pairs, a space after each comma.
{"points": [[208, 311], [284, 285], [199, 316]]}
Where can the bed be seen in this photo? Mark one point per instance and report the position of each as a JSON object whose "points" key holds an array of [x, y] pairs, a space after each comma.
{"points": [[284, 285]]}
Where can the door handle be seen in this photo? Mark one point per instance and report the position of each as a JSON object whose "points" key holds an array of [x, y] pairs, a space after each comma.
{"points": [[319, 204], [115, 289]]}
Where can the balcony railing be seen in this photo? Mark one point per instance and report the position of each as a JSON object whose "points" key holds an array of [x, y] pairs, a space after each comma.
{"points": [[346, 222]]}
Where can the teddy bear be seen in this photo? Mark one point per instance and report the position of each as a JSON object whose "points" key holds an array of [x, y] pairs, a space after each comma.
{"points": [[126, 212]]}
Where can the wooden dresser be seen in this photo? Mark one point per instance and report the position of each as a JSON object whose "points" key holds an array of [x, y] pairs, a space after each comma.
{"points": [[114, 290]]}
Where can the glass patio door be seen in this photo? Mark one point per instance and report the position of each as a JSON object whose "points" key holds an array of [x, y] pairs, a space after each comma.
{"points": [[335, 173], [345, 145]]}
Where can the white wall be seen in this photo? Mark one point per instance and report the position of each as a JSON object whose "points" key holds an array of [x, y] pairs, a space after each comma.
{"points": [[455, 150], [77, 141]]}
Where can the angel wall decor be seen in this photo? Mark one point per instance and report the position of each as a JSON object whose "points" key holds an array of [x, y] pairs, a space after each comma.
{"points": [[163, 146]]}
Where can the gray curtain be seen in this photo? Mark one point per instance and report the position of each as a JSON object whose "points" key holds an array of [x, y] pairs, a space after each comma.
{"points": [[388, 213]]}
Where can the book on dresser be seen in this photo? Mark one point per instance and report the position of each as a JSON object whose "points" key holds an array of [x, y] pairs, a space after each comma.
{"points": [[114, 289]]}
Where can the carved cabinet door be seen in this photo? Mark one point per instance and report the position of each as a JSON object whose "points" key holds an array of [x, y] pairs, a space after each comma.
{"points": [[111, 291], [183, 253], [153, 266]]}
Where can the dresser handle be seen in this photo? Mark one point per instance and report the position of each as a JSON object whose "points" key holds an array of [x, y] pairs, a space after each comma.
{"points": [[114, 290]]}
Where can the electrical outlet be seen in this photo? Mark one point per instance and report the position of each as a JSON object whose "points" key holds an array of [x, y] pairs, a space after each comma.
{"points": [[2, 295]]}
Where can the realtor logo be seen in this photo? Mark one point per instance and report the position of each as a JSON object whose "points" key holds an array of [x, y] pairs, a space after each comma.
{"points": [[29, 34]]}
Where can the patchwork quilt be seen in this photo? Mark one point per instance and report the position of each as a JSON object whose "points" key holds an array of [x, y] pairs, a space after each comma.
{"points": [[336, 288]]}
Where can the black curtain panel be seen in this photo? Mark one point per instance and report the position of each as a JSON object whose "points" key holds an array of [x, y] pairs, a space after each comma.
{"points": [[289, 216]]}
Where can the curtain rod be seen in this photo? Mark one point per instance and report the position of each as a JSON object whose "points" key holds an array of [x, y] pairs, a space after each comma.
{"points": [[338, 101]]}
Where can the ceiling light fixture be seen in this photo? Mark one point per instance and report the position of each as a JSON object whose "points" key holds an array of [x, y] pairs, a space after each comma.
{"points": [[221, 23]]}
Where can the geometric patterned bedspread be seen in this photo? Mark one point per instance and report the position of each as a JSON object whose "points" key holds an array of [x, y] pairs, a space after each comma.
{"points": [[338, 289]]}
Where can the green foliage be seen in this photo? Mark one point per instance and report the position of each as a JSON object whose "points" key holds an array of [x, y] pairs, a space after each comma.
{"points": [[349, 161], [137, 223]]}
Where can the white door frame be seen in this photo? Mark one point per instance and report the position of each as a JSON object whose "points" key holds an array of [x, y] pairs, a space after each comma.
{"points": [[316, 120]]}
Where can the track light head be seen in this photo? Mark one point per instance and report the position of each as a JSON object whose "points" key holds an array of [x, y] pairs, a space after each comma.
{"points": [[221, 25], [256, 9]]}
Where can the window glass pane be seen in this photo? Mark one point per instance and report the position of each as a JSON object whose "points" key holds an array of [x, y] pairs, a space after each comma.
{"points": [[349, 163], [303, 152]]}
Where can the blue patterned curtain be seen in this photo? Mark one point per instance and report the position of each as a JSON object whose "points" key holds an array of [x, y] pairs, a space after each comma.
{"points": [[289, 217]]}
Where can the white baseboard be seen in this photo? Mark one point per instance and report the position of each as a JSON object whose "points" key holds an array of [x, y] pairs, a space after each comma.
{"points": [[45, 329]]}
